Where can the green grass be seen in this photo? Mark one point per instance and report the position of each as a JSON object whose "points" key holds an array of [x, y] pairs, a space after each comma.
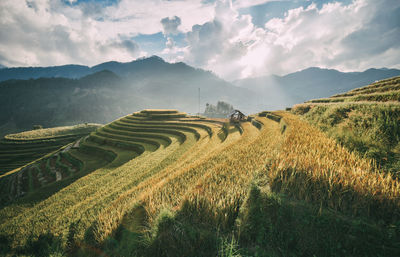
{"points": [[256, 123], [17, 150], [365, 122], [57, 132], [272, 224]]}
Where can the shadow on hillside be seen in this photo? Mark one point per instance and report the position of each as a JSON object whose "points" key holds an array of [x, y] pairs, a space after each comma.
{"points": [[343, 198], [267, 224], [44, 245], [272, 222], [194, 230], [39, 194]]}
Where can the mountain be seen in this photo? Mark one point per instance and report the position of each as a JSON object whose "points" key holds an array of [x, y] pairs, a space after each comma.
{"points": [[137, 67], [71, 94], [278, 92], [2, 66], [104, 95], [65, 71], [61, 101]]}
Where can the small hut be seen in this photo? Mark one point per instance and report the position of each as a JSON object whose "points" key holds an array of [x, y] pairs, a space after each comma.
{"points": [[237, 116]]}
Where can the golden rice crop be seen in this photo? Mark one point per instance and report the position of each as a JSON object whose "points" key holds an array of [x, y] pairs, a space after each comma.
{"points": [[315, 168]]}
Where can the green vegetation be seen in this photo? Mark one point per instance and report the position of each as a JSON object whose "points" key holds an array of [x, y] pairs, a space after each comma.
{"points": [[382, 91], [17, 150], [160, 183], [371, 129], [221, 110], [50, 133]]}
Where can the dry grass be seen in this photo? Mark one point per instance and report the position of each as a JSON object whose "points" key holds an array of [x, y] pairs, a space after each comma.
{"points": [[82, 201], [111, 217], [53, 132], [299, 161], [315, 168]]}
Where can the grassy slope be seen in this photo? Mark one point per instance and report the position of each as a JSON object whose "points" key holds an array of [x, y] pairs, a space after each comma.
{"points": [[81, 129], [311, 202], [83, 199], [276, 187], [16, 150], [369, 127]]}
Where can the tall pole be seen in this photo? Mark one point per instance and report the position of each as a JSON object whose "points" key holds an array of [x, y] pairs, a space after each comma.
{"points": [[199, 104]]}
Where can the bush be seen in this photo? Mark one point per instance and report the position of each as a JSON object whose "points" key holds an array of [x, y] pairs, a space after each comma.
{"points": [[270, 224], [35, 127]]}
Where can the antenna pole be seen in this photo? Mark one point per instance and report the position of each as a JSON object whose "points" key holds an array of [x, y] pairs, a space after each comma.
{"points": [[199, 104]]}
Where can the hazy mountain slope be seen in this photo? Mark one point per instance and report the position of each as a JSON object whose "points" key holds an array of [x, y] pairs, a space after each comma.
{"points": [[65, 71], [176, 85], [282, 91], [103, 96], [60, 101]]}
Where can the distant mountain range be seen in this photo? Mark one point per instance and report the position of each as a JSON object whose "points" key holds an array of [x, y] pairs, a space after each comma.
{"points": [[111, 90], [71, 94], [277, 92]]}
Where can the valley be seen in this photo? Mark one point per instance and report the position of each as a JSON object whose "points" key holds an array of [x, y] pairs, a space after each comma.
{"points": [[161, 182]]}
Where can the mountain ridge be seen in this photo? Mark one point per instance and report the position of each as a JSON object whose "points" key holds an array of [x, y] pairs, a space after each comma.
{"points": [[103, 96], [310, 83], [76, 71], [113, 89]]}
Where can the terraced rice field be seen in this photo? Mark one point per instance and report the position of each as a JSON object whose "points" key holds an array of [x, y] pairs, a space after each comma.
{"points": [[123, 156], [17, 150], [17, 153], [141, 164], [387, 90], [366, 120]]}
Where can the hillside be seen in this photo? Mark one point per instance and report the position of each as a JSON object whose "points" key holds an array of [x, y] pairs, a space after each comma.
{"points": [[279, 92], [153, 83], [365, 120], [104, 96], [162, 183], [65, 71], [17, 150]]}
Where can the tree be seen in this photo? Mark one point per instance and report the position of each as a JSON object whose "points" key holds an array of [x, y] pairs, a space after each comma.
{"points": [[221, 110], [37, 127]]}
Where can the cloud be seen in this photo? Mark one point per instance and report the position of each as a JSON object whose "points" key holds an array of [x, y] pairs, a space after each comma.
{"points": [[218, 44], [54, 32], [209, 34], [248, 3], [170, 25], [350, 37]]}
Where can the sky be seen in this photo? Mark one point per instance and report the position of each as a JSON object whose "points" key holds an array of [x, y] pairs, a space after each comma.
{"points": [[232, 38]]}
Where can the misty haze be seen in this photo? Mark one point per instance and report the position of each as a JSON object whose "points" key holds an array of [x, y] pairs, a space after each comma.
{"points": [[199, 128]]}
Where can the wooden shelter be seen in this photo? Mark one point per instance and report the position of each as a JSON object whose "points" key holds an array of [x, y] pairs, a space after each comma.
{"points": [[237, 116]]}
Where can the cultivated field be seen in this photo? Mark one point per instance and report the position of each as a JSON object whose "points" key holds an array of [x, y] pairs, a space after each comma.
{"points": [[161, 183], [16, 150]]}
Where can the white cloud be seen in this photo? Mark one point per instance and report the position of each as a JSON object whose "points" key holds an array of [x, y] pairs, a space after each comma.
{"points": [[49, 32], [170, 25], [237, 4], [358, 36], [219, 44]]}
